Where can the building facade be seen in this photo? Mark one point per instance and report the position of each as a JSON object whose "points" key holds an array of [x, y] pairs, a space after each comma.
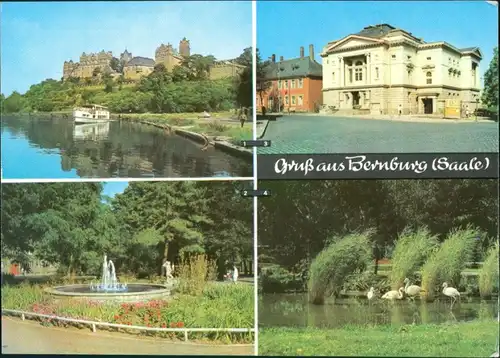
{"points": [[138, 67], [87, 65], [382, 70], [293, 85]]}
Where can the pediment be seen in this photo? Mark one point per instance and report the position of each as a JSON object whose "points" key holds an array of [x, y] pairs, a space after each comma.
{"points": [[353, 41]]}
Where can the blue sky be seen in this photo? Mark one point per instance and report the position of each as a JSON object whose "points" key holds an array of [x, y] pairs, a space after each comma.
{"points": [[282, 27], [36, 38], [113, 188]]}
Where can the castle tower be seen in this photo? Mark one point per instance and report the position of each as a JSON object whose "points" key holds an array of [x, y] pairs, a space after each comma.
{"points": [[184, 49], [125, 57]]}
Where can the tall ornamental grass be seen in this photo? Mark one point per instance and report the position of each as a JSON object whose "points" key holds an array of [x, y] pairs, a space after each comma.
{"points": [[330, 268], [447, 263], [411, 251], [488, 276]]}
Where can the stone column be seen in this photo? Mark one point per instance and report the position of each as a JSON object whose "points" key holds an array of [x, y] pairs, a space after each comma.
{"points": [[341, 71], [369, 69]]}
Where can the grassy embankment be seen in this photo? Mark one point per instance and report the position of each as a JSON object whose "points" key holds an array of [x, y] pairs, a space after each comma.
{"points": [[221, 124], [214, 306], [471, 339]]}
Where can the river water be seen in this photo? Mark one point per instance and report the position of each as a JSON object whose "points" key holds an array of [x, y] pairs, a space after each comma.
{"points": [[35, 148], [293, 310]]}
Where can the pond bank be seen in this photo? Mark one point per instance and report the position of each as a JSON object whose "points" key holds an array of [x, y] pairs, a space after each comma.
{"points": [[470, 339], [221, 143]]}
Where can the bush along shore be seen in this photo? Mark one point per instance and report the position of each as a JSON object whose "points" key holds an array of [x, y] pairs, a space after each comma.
{"points": [[217, 306]]}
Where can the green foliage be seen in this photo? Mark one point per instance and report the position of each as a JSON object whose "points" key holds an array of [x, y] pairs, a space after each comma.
{"points": [[411, 251], [447, 262], [194, 273], [346, 255], [488, 276], [295, 222], [276, 279], [262, 83], [490, 91]]}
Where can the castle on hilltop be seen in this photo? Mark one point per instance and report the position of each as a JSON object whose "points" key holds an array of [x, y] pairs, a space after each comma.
{"points": [[136, 67]]}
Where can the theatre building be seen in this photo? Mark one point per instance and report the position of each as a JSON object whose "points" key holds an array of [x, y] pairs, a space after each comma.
{"points": [[382, 69], [294, 85]]}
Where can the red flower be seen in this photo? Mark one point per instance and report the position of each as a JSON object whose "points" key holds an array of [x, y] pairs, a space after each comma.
{"points": [[163, 325], [117, 317], [172, 324], [180, 324]]}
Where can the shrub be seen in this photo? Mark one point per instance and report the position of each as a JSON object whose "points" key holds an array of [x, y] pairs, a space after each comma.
{"points": [[351, 254], [411, 250], [447, 263], [276, 279], [193, 274], [488, 276]]}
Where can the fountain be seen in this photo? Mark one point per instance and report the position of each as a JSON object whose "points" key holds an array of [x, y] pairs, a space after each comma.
{"points": [[110, 289]]}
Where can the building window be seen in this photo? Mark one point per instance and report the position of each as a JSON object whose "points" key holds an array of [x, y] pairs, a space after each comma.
{"points": [[293, 83], [333, 76], [286, 84], [286, 100], [350, 75], [428, 58], [358, 74], [279, 84], [293, 100], [428, 76], [377, 73], [300, 101], [301, 83], [408, 57], [393, 56], [327, 61]]}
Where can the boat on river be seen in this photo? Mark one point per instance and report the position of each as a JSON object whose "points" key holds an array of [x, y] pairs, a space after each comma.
{"points": [[93, 113]]}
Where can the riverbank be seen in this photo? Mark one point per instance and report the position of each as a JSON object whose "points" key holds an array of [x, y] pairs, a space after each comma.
{"points": [[469, 339], [218, 306], [222, 130]]}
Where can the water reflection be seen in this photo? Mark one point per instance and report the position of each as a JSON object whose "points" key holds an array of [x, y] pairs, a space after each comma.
{"points": [[292, 310], [59, 148]]}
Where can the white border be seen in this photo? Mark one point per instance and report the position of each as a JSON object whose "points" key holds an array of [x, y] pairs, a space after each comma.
{"points": [[255, 224]]}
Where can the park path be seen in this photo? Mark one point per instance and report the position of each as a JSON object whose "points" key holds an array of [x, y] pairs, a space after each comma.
{"points": [[28, 337]]}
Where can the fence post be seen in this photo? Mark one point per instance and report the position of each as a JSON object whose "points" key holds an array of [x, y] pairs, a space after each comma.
{"points": [[185, 335], [94, 329]]}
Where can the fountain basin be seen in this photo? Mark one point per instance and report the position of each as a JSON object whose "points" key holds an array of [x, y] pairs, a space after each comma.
{"points": [[136, 292]]}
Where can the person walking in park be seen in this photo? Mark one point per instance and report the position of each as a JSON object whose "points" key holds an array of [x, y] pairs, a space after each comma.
{"points": [[400, 110], [235, 274], [243, 117]]}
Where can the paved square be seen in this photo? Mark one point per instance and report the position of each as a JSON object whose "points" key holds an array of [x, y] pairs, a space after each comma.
{"points": [[305, 134]]}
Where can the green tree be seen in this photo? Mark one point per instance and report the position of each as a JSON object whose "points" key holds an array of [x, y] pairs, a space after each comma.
{"points": [[244, 82], [263, 84], [490, 91], [14, 103]]}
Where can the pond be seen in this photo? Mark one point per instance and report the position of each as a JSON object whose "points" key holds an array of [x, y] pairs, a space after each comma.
{"points": [[293, 310], [55, 149]]}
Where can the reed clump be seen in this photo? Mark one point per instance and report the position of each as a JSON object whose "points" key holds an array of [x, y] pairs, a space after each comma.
{"points": [[488, 276], [347, 255], [448, 261], [411, 251], [194, 272]]}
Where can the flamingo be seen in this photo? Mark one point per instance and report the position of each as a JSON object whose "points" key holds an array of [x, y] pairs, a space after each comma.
{"points": [[451, 292], [370, 293], [394, 295], [412, 290]]}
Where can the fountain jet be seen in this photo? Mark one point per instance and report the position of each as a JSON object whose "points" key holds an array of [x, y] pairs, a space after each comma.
{"points": [[109, 282]]}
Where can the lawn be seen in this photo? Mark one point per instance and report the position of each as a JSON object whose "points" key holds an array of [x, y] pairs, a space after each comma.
{"points": [[471, 339]]}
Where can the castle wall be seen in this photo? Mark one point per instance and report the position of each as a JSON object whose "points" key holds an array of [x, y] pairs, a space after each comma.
{"points": [[134, 73], [219, 71]]}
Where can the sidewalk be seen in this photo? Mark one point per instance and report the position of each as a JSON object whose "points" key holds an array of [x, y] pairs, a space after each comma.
{"points": [[29, 337]]}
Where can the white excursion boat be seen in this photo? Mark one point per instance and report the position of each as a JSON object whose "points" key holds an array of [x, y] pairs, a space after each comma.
{"points": [[91, 114]]}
